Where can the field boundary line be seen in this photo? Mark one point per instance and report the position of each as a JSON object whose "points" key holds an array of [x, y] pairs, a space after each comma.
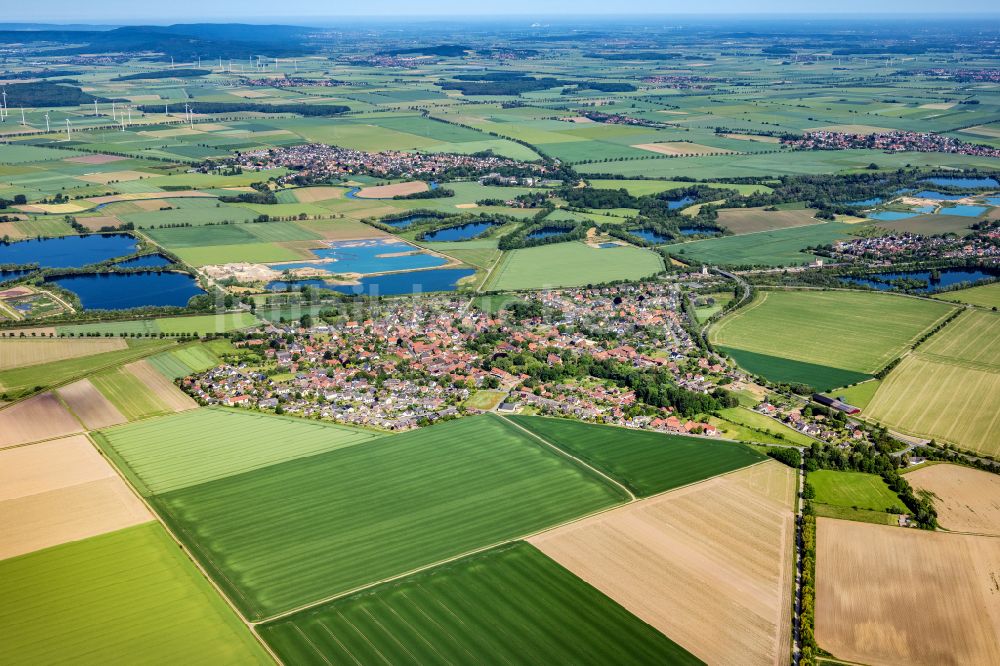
{"points": [[566, 454], [187, 553]]}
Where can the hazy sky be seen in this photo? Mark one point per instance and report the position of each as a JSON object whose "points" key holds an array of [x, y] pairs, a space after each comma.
{"points": [[187, 11]]}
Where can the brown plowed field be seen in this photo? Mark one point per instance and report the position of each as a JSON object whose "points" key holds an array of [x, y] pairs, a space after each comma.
{"points": [[890, 595], [709, 565]]}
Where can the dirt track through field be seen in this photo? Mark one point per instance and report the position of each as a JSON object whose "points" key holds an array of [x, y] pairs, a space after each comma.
{"points": [[35, 419], [967, 500], [60, 491], [709, 565], [890, 595], [90, 406]]}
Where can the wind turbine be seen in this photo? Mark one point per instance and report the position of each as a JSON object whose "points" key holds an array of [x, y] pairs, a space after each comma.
{"points": [[3, 110], [67, 129], [46, 121], [23, 121], [95, 108]]}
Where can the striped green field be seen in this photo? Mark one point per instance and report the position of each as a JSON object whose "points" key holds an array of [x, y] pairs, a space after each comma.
{"points": [[987, 296], [646, 462], [571, 264], [511, 604], [851, 333], [949, 388], [184, 361], [318, 526], [127, 597], [128, 393], [854, 489], [201, 445]]}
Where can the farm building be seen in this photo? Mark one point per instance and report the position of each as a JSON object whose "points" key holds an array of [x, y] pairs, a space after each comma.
{"points": [[834, 403]]}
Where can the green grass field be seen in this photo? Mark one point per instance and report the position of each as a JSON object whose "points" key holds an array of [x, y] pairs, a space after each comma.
{"points": [[571, 264], [130, 596], [949, 389], [317, 526], [184, 361], [201, 445], [645, 462], [782, 247], [639, 188], [858, 395], [511, 603], [758, 421], [201, 324], [129, 394], [254, 253], [845, 330], [785, 370], [854, 489], [987, 296]]}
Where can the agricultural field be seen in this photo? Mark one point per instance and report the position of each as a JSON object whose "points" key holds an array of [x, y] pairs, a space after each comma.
{"points": [[758, 421], [640, 188], [823, 338], [535, 610], [987, 296], [781, 247], [202, 324], [379, 530], [157, 454], [645, 462], [59, 491], [37, 418], [66, 604], [570, 264], [966, 499], [949, 388], [89, 405], [859, 395], [754, 220], [709, 565], [20, 352], [892, 596], [855, 490]]}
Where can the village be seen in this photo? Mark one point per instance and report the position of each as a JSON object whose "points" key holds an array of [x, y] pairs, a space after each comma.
{"points": [[412, 362], [893, 142]]}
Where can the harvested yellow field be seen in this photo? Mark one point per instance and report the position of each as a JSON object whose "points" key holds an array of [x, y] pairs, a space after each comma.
{"points": [[95, 159], [709, 565], [21, 352], [105, 177], [394, 190], [90, 406], [681, 148], [11, 231], [966, 499], [938, 106], [165, 391], [140, 196], [320, 193], [52, 209], [97, 222], [60, 491], [35, 419], [887, 595]]}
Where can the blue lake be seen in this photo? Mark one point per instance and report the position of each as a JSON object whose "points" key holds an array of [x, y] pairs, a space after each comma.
{"points": [[121, 291], [864, 202], [673, 204], [281, 285], [888, 215], [963, 182], [949, 276], [546, 232], [931, 194], [650, 236], [464, 232], [145, 261], [964, 211], [993, 201], [694, 231], [363, 256], [68, 251], [394, 284], [605, 246]]}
